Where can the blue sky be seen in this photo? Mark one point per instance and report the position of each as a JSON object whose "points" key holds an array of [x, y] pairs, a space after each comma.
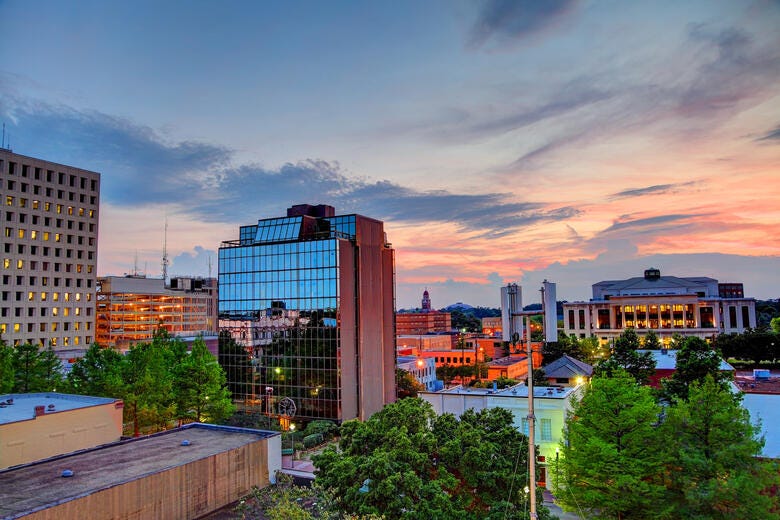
{"points": [[499, 141]]}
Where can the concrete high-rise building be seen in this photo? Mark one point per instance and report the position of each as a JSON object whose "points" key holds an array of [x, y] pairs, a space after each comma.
{"points": [[310, 299], [49, 223]]}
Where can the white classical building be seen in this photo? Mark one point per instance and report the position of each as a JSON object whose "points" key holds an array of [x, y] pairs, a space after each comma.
{"points": [[667, 305]]}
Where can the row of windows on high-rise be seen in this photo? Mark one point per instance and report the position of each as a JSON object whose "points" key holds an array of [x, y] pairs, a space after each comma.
{"points": [[59, 209], [55, 281], [33, 265], [49, 176], [22, 249]]}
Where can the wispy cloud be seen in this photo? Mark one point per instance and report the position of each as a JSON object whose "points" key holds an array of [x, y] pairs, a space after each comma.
{"points": [[140, 167], [650, 224], [658, 189], [514, 20], [772, 135]]}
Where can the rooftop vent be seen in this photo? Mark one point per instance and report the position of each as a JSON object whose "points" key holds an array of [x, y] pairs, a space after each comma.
{"points": [[50, 408], [652, 274], [67, 473], [185, 442]]}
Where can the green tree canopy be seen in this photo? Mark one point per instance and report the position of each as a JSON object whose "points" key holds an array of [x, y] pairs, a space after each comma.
{"points": [[35, 369], [406, 462], [147, 389], [199, 387], [625, 357], [651, 341], [611, 452], [406, 384], [98, 373], [695, 361], [7, 374], [713, 469]]}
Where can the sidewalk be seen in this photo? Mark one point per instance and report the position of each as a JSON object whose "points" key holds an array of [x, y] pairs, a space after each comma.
{"points": [[549, 503]]}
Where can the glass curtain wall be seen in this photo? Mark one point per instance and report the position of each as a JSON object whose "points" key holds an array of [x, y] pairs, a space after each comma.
{"points": [[279, 313]]}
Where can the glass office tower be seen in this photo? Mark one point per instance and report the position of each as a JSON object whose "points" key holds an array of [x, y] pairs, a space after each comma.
{"points": [[308, 302]]}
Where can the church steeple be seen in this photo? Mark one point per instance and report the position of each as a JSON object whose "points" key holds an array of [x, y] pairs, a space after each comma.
{"points": [[426, 301]]}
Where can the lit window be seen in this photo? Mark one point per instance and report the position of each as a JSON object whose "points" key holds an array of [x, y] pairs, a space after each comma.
{"points": [[53, 341], [59, 208], [3, 328], [30, 296], [6, 263], [65, 341], [55, 311], [43, 294], [57, 237], [75, 340], [89, 297], [81, 212], [78, 312], [54, 327], [47, 206], [17, 327], [77, 324], [91, 213], [9, 201], [33, 234], [78, 296], [21, 233], [35, 204], [55, 296], [46, 236], [67, 296], [20, 264], [22, 203], [70, 210]]}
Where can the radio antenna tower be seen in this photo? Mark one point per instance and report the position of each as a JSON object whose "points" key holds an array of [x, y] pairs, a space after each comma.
{"points": [[165, 260], [209, 266]]}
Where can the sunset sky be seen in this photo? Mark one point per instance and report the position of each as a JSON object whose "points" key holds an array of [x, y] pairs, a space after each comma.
{"points": [[500, 141]]}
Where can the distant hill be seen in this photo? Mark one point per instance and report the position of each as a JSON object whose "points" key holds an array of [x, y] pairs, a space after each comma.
{"points": [[460, 306]]}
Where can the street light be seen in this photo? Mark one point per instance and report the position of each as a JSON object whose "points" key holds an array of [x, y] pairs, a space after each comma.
{"points": [[292, 445]]}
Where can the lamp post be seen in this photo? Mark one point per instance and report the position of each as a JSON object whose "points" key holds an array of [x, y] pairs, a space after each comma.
{"points": [[557, 472], [292, 445]]}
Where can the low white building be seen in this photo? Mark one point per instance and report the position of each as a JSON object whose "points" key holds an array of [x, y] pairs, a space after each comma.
{"points": [[423, 369], [551, 405]]}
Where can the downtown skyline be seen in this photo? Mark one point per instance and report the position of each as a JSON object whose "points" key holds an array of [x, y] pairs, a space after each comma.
{"points": [[572, 141]]}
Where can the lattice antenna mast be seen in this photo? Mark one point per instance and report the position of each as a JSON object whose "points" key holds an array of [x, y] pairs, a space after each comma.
{"points": [[209, 266], [165, 261]]}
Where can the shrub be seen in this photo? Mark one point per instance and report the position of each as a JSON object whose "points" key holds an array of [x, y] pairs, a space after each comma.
{"points": [[313, 440]]}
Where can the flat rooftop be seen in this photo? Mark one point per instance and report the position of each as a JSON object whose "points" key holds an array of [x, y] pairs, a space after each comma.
{"points": [[521, 390], [40, 484], [23, 407]]}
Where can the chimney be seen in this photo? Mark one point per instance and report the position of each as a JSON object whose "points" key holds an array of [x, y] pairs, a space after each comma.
{"points": [[40, 410]]}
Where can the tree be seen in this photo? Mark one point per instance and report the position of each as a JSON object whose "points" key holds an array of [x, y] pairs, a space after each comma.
{"points": [[236, 362], [775, 324], [611, 451], [651, 341], [147, 389], [406, 462], [199, 387], [406, 384], [6, 368], [695, 361], [98, 373], [36, 370], [713, 469], [625, 357]]}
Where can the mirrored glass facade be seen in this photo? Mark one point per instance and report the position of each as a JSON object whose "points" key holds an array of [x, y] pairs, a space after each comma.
{"points": [[280, 312]]}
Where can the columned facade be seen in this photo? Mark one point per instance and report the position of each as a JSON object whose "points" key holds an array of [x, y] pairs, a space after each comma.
{"points": [[665, 305]]}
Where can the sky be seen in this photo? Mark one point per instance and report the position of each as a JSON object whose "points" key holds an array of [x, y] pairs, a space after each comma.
{"points": [[500, 141]]}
